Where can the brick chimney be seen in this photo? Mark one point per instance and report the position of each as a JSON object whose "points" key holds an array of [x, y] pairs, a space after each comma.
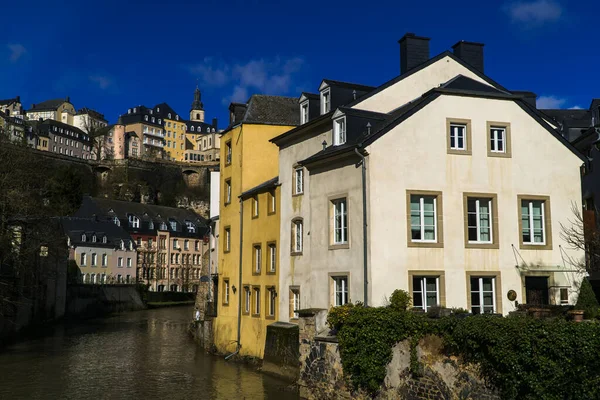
{"points": [[414, 51], [471, 53]]}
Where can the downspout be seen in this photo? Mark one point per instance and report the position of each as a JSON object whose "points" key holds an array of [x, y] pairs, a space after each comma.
{"points": [[239, 318], [364, 201], [210, 279]]}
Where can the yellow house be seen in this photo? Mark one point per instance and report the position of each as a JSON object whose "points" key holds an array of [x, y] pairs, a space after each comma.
{"points": [[248, 271], [175, 139]]}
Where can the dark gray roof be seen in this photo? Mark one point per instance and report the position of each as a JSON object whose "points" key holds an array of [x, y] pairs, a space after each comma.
{"points": [[7, 102], [571, 118], [90, 112], [48, 105], [76, 227], [274, 110], [263, 187], [310, 96], [349, 85], [461, 82]]}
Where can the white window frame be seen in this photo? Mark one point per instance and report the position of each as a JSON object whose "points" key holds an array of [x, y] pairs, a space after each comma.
{"points": [[298, 236], [117, 221], [120, 262], [173, 225], [298, 180], [295, 302], [481, 292], [228, 239], [257, 258], [104, 260], [83, 259], [134, 221], [226, 291], [325, 105], [531, 233], [304, 112], [256, 305], [272, 257], [129, 262], [94, 260], [340, 208], [228, 192], [423, 290], [272, 303], [339, 131], [478, 220], [340, 284], [494, 139], [247, 299], [454, 133], [422, 219]]}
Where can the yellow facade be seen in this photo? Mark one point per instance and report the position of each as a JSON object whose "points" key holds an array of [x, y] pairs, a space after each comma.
{"points": [[175, 139], [253, 161]]}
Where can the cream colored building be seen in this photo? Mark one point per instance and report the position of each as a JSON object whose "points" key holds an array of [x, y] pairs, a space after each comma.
{"points": [[466, 189], [57, 109]]}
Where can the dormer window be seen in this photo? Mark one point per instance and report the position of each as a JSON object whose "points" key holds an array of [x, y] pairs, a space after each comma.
{"points": [[169, 115], [339, 131], [134, 222], [150, 225], [163, 226], [83, 238], [304, 112], [94, 239], [153, 119], [145, 118], [103, 239], [190, 226], [325, 101], [177, 117], [173, 225], [157, 109], [159, 121], [122, 245], [129, 111], [192, 129]]}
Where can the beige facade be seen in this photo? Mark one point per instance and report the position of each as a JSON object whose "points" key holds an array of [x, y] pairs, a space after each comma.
{"points": [[108, 265]]}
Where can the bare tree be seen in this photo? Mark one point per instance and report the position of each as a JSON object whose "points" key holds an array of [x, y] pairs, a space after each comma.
{"points": [[581, 233]]}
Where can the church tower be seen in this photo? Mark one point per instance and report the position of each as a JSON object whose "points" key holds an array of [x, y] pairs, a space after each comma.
{"points": [[197, 111]]}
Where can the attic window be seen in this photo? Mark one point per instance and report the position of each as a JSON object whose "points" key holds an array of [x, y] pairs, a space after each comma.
{"points": [[159, 121], [157, 109], [103, 239], [134, 222], [304, 112], [122, 245], [94, 239], [192, 129], [169, 115], [325, 101], [339, 131], [190, 226], [116, 221], [83, 238], [150, 225], [145, 118], [177, 117], [173, 225]]}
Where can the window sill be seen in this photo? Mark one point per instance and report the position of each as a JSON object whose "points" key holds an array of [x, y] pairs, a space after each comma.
{"points": [[460, 152], [255, 273], [297, 194], [499, 155], [271, 272], [475, 245], [271, 212], [255, 217], [255, 315], [528, 246], [225, 304], [245, 313], [426, 244], [295, 253], [226, 251], [339, 246], [272, 317]]}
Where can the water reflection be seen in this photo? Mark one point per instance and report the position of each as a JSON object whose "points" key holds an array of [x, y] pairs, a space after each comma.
{"points": [[138, 355]]}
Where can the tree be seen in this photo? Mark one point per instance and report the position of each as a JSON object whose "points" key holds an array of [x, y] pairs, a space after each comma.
{"points": [[581, 233], [97, 134]]}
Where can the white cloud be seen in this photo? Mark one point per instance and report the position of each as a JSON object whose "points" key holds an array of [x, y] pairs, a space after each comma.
{"points": [[576, 108], [103, 82], [534, 13], [546, 102], [267, 76], [17, 51]]}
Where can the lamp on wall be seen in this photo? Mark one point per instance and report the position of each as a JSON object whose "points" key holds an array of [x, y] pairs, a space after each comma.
{"points": [[234, 289]]}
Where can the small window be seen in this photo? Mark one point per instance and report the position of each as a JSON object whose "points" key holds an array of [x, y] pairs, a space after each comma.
{"points": [[226, 292], [228, 152], [145, 118], [298, 180], [483, 295], [117, 221], [325, 101], [255, 206], [94, 259], [83, 259], [227, 239], [190, 226], [186, 244], [134, 222], [129, 262], [426, 291], [104, 260], [257, 250], [83, 238], [297, 238], [564, 296], [271, 302], [304, 113], [173, 225], [340, 221], [150, 225], [256, 302], [247, 299], [339, 131], [340, 290], [272, 257], [272, 202], [458, 136], [103, 239], [169, 118], [175, 243], [228, 191], [120, 262], [498, 139], [294, 302], [192, 129]]}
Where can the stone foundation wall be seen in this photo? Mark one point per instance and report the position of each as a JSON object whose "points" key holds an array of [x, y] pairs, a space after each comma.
{"points": [[440, 377]]}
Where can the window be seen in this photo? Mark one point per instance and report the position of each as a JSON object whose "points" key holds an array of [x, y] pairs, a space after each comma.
{"points": [[272, 257], [186, 244], [116, 221], [129, 262], [498, 139], [227, 239], [297, 231], [272, 202], [169, 116], [458, 136], [197, 246], [482, 218], [83, 238], [257, 258], [339, 131], [192, 129], [175, 243], [228, 153], [103, 239], [340, 221], [294, 302], [150, 225], [256, 302], [564, 296], [134, 222], [173, 225], [426, 291], [247, 299], [83, 259], [304, 113], [298, 180], [228, 191], [483, 295], [120, 262], [94, 259], [340, 290], [271, 301], [425, 210], [225, 291], [255, 206], [534, 222], [325, 101], [104, 260]]}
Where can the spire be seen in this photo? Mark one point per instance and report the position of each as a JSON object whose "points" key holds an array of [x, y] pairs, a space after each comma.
{"points": [[197, 104]]}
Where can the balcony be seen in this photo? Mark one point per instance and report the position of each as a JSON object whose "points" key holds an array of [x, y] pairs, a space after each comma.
{"points": [[154, 134], [155, 143]]}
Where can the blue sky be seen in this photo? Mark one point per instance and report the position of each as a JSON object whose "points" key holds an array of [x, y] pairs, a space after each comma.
{"points": [[114, 55]]}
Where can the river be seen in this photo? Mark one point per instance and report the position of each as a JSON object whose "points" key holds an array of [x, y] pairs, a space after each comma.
{"points": [[139, 355]]}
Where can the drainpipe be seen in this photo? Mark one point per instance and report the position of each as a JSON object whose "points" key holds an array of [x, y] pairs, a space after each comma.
{"points": [[239, 318], [210, 280], [364, 201]]}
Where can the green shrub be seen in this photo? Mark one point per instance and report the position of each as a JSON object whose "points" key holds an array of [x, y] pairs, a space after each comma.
{"points": [[400, 300], [587, 300], [337, 315]]}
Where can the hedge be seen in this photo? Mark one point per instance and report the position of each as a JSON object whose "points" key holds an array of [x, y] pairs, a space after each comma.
{"points": [[522, 357]]}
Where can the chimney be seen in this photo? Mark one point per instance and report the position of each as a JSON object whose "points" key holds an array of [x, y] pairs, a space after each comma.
{"points": [[33, 105], [528, 97], [471, 53], [18, 99], [414, 51], [68, 99], [214, 123]]}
